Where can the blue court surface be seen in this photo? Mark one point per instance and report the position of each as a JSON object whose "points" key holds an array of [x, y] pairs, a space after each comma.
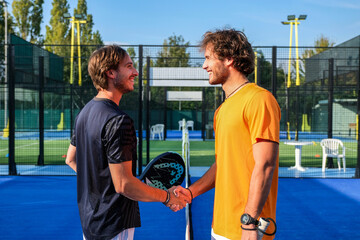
{"points": [[45, 208], [61, 170]]}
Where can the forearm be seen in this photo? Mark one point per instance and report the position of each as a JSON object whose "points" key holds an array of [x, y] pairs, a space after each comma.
{"points": [[205, 183], [265, 156], [136, 190], [131, 187], [260, 185]]}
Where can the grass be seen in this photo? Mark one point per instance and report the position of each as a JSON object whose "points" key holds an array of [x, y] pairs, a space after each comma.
{"points": [[201, 153]]}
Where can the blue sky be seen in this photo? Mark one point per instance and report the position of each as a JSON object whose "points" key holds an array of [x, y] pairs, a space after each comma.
{"points": [[150, 22]]}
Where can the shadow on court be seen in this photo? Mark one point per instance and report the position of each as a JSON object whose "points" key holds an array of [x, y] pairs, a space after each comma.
{"points": [[45, 208]]}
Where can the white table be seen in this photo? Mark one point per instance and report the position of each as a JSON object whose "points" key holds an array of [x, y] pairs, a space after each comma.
{"points": [[298, 146]]}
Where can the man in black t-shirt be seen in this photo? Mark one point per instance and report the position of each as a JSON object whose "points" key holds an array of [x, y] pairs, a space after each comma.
{"points": [[103, 153]]}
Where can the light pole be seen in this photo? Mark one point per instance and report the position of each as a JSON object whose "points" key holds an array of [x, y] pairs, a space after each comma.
{"points": [[292, 20], [77, 18]]}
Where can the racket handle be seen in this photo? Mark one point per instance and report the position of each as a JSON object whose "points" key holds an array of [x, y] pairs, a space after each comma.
{"points": [[263, 225]]}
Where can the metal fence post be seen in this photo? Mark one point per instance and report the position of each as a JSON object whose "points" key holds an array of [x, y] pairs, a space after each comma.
{"points": [[357, 169], [297, 109], [203, 119], [330, 163], [165, 113], [140, 109], [41, 112], [258, 72], [71, 109], [274, 72], [287, 116], [147, 110], [11, 107]]}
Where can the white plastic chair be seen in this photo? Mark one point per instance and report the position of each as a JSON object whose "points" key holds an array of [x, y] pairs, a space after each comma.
{"points": [[157, 129], [330, 148], [180, 125], [190, 124]]}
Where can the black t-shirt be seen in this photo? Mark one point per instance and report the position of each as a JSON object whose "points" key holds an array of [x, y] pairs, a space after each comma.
{"points": [[103, 134]]}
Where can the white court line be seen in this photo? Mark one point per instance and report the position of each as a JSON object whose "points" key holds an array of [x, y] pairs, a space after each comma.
{"points": [[36, 143], [7, 149]]}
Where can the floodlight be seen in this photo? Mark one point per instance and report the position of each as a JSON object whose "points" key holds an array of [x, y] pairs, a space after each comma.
{"points": [[291, 17], [285, 23], [79, 16], [302, 17], [67, 15]]}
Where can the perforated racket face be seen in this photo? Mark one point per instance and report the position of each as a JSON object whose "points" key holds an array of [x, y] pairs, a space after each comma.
{"points": [[165, 171]]}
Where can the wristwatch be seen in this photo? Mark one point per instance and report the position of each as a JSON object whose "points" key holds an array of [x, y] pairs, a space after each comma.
{"points": [[246, 219]]}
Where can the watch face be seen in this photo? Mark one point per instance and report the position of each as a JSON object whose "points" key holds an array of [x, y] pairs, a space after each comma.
{"points": [[245, 218]]}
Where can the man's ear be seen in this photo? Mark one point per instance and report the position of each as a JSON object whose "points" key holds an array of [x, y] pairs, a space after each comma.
{"points": [[229, 62], [110, 74]]}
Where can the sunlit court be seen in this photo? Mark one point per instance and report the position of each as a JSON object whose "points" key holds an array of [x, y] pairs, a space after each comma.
{"points": [[41, 203]]}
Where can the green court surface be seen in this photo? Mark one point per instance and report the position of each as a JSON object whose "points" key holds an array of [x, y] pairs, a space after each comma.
{"points": [[202, 153]]}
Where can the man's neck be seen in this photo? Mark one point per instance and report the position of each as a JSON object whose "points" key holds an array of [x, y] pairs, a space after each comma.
{"points": [[235, 80], [111, 95]]}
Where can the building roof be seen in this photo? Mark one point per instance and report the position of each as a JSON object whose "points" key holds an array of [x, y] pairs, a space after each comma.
{"points": [[346, 59]]}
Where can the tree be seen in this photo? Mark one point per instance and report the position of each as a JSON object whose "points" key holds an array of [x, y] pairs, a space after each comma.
{"points": [[88, 39], [58, 31], [323, 43], [36, 19], [173, 53], [10, 25], [10, 29], [21, 11], [28, 17]]}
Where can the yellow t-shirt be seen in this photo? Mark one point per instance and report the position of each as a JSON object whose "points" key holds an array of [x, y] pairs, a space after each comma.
{"points": [[250, 114]]}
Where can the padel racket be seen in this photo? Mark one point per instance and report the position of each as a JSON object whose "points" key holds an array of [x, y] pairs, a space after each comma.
{"points": [[164, 171]]}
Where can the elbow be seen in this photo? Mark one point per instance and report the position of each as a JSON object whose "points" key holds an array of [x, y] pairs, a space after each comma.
{"points": [[68, 161], [121, 187], [119, 190], [269, 168], [271, 164]]}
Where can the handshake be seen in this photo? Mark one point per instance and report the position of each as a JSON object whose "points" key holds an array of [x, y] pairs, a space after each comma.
{"points": [[178, 197]]}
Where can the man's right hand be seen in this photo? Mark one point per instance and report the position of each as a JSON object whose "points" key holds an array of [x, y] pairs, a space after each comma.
{"points": [[178, 200]]}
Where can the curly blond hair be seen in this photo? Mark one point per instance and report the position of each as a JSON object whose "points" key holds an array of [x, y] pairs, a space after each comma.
{"points": [[231, 44]]}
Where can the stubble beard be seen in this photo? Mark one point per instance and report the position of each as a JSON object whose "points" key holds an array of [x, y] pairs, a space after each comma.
{"points": [[119, 85], [220, 77]]}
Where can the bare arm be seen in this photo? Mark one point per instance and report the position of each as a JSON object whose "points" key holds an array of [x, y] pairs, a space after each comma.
{"points": [[131, 187], [70, 157], [204, 184], [265, 155]]}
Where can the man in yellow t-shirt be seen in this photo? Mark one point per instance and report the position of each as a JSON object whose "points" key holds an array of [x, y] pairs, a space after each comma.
{"points": [[247, 126]]}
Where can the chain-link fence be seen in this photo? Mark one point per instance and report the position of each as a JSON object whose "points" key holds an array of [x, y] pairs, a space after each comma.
{"points": [[41, 94]]}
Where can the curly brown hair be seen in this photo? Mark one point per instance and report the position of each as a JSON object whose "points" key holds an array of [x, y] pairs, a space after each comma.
{"points": [[102, 60], [231, 44]]}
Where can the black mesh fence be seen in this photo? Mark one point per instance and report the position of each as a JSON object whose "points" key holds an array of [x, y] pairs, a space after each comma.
{"points": [[40, 97]]}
